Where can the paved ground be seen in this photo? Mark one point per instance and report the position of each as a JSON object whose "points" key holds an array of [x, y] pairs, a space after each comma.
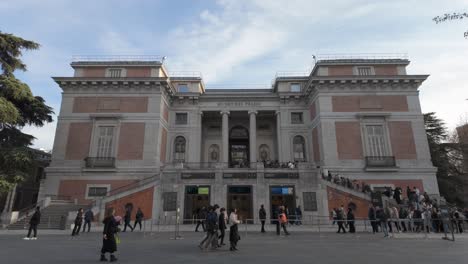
{"points": [[300, 247]]}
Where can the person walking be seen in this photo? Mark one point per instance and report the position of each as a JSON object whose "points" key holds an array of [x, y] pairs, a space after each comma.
{"points": [[298, 215], [373, 218], [88, 218], [283, 219], [340, 220], [127, 219], [138, 218], [382, 216], [33, 223], [350, 218], [262, 217], [201, 216], [78, 223], [109, 243], [234, 230], [222, 225]]}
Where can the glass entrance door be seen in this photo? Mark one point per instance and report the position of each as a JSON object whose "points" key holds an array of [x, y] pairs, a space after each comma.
{"points": [[282, 196], [240, 197], [196, 197]]}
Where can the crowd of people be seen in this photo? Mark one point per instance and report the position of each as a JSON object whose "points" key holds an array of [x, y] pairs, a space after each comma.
{"points": [[215, 221], [348, 183], [275, 164]]}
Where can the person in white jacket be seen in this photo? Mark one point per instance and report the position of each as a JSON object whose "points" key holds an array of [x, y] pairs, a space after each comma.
{"points": [[234, 230]]}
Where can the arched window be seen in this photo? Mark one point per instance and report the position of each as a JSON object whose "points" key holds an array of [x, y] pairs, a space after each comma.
{"points": [[264, 152], [179, 149], [299, 148], [213, 153]]}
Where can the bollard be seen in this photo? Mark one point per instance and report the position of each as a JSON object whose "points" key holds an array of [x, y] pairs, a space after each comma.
{"points": [[318, 224]]}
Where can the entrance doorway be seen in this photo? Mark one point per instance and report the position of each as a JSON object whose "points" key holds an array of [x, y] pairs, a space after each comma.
{"points": [[196, 197], [240, 197], [282, 196], [239, 147]]}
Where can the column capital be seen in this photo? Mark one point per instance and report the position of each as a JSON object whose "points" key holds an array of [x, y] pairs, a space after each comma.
{"points": [[277, 112], [253, 112], [224, 112], [200, 113]]}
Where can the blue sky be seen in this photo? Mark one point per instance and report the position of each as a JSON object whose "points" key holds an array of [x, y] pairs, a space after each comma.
{"points": [[243, 43]]}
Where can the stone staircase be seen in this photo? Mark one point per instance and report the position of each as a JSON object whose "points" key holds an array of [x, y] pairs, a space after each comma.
{"points": [[53, 216]]}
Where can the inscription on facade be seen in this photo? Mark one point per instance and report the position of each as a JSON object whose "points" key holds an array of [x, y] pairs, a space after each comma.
{"points": [[239, 104], [198, 175], [240, 175], [282, 175]]}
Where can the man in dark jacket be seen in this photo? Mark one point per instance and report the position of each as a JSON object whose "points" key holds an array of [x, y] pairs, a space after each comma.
{"points": [[340, 219], [350, 218], [373, 219], [127, 219], [382, 216], [222, 225], [78, 223], [33, 223], [201, 216], [138, 218], [88, 218], [262, 217]]}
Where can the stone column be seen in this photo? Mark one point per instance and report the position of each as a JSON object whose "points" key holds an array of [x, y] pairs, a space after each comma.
{"points": [[278, 136], [253, 136], [225, 137], [199, 145]]}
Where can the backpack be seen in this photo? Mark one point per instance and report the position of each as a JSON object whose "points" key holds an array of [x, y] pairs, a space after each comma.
{"points": [[211, 221]]}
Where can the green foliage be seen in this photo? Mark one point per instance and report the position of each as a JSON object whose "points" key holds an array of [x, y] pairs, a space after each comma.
{"points": [[18, 107], [448, 174]]}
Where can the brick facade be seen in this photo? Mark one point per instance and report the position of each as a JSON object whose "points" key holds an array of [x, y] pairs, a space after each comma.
{"points": [[402, 140], [142, 199], [336, 198], [131, 141], [79, 138], [348, 140]]}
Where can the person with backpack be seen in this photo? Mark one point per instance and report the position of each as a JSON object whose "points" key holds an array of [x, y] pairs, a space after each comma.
{"points": [[88, 218], [234, 236], [222, 225], [138, 218], [78, 222], [33, 223], [283, 219], [262, 217], [211, 229]]}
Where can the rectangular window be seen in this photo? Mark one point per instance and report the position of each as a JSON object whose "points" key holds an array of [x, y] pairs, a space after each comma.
{"points": [[296, 118], [310, 201], [105, 142], [181, 118], [97, 191], [295, 87], [115, 73], [376, 143], [364, 71], [183, 88]]}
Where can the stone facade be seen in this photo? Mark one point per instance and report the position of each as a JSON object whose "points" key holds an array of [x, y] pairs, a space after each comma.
{"points": [[124, 121]]}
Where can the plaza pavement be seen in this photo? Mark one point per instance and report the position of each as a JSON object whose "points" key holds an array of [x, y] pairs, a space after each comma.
{"points": [[254, 247]]}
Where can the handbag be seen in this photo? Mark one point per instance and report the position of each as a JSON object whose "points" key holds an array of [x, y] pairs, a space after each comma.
{"points": [[117, 239]]}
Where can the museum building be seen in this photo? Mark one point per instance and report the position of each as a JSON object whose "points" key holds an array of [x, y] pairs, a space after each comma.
{"points": [[131, 132]]}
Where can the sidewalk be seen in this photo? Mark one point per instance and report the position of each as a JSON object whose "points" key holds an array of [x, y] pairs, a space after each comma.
{"points": [[248, 228]]}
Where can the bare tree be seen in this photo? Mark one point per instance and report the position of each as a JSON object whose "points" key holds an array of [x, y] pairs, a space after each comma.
{"points": [[450, 17]]}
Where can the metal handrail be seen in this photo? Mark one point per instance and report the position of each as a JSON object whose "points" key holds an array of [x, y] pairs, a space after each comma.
{"points": [[358, 56], [96, 58]]}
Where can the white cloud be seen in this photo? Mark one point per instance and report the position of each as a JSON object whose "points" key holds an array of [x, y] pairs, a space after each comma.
{"points": [[44, 135]]}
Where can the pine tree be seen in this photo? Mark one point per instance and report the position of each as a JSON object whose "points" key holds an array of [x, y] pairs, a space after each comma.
{"points": [[18, 107]]}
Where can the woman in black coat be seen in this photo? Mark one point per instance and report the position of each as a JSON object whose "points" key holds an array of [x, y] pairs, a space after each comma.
{"points": [[109, 244]]}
